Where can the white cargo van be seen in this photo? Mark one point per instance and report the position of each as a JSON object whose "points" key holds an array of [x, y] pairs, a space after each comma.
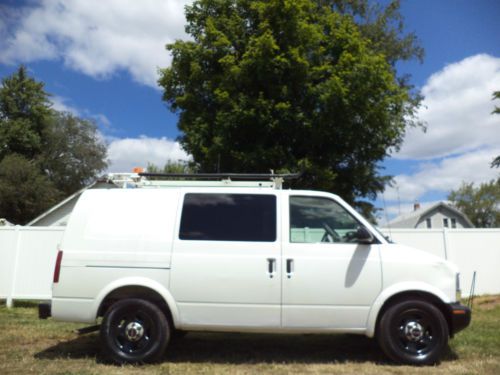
{"points": [[245, 256]]}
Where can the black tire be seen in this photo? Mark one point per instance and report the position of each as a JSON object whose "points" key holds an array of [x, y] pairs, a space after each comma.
{"points": [[134, 331], [413, 332]]}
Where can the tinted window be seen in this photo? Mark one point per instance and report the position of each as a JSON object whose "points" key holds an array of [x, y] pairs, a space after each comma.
{"points": [[229, 217]]}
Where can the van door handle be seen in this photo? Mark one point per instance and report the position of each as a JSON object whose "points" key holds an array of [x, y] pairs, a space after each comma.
{"points": [[289, 268], [271, 267]]}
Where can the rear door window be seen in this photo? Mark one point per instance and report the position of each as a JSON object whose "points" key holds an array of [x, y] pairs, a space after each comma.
{"points": [[228, 217]]}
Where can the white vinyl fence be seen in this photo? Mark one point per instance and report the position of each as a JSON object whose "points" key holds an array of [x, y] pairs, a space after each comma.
{"points": [[470, 249], [27, 257]]}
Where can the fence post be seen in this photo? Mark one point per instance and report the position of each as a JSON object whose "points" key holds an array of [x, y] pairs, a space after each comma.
{"points": [[445, 243], [10, 297]]}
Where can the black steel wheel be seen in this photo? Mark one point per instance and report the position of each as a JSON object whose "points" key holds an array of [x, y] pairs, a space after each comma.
{"points": [[134, 331], [413, 332]]}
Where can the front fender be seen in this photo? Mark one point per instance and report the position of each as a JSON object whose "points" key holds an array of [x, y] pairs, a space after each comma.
{"points": [[138, 281], [403, 287]]}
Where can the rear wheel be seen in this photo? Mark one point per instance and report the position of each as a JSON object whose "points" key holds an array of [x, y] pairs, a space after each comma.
{"points": [[413, 332], [134, 331]]}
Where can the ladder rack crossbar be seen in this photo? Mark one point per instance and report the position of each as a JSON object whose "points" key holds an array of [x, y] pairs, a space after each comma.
{"points": [[231, 176]]}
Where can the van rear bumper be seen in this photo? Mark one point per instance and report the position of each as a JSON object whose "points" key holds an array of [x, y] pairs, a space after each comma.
{"points": [[460, 317], [44, 310], [81, 310]]}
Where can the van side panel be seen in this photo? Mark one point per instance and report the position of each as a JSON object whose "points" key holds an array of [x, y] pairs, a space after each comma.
{"points": [[113, 234], [122, 221]]}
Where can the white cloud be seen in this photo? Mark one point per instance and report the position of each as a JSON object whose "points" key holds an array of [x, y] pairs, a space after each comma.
{"points": [[61, 104], [462, 139], [444, 175], [457, 109], [101, 119], [125, 154], [95, 37]]}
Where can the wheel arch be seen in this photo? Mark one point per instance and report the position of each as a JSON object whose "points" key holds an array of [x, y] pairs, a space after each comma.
{"points": [[396, 293], [137, 287]]}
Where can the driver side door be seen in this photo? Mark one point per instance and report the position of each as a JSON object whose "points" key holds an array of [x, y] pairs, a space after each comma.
{"points": [[330, 280]]}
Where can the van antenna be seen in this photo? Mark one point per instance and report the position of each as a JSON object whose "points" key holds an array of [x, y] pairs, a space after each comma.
{"points": [[386, 217], [399, 200]]}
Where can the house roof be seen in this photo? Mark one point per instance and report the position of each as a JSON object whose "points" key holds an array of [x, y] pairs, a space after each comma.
{"points": [[417, 214]]}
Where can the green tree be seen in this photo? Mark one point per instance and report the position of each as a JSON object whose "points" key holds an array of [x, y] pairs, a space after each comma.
{"points": [[496, 161], [73, 153], [384, 26], [293, 85], [171, 166], [481, 204], [24, 113], [56, 153], [24, 191]]}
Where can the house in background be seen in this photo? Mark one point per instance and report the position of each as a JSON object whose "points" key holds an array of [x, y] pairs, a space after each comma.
{"points": [[440, 215]]}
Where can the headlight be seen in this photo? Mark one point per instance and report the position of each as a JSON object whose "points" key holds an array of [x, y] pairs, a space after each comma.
{"points": [[458, 292]]}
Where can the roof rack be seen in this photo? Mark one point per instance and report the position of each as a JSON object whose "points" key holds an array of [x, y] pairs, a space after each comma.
{"points": [[231, 176], [165, 180], [273, 180]]}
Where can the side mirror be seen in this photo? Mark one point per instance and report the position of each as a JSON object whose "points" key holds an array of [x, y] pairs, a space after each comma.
{"points": [[364, 236]]}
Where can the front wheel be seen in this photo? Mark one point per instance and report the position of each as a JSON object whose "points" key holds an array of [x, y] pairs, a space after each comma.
{"points": [[134, 331], [413, 332]]}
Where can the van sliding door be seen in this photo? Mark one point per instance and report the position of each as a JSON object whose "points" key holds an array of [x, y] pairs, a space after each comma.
{"points": [[225, 262]]}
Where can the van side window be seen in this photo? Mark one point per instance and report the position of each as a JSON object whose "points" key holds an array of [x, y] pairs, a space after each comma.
{"points": [[317, 219], [229, 217]]}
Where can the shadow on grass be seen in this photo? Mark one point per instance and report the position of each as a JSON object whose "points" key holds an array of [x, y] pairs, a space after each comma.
{"points": [[234, 348], [22, 303], [81, 347], [264, 348]]}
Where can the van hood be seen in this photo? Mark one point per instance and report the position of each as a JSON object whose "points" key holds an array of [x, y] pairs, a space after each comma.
{"points": [[423, 256]]}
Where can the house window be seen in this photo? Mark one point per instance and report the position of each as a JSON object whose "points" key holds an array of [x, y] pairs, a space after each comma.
{"points": [[445, 222], [428, 222], [453, 222]]}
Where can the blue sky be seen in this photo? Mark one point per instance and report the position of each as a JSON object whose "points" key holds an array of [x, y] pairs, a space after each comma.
{"points": [[99, 59]]}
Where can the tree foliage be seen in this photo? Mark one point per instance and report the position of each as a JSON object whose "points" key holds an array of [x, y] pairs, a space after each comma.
{"points": [[24, 191], [44, 154], [293, 85], [481, 204], [24, 113], [171, 167], [73, 154], [384, 27]]}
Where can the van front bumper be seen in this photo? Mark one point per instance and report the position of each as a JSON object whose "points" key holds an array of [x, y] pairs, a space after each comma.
{"points": [[44, 310], [460, 317]]}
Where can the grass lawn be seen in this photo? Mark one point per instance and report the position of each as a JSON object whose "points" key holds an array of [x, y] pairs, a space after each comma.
{"points": [[29, 345]]}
